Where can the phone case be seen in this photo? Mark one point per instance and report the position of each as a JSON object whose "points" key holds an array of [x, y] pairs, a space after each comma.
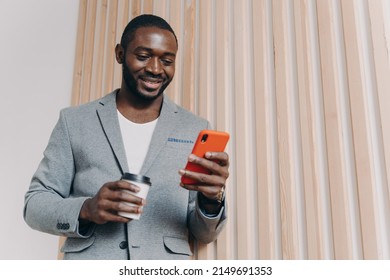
{"points": [[207, 141]]}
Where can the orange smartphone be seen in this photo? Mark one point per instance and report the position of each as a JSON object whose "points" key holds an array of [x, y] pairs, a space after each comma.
{"points": [[207, 141]]}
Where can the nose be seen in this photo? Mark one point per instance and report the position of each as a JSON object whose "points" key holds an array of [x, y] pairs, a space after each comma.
{"points": [[154, 66]]}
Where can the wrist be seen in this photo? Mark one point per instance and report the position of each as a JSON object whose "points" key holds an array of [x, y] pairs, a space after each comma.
{"points": [[210, 206], [217, 200], [204, 200], [84, 216]]}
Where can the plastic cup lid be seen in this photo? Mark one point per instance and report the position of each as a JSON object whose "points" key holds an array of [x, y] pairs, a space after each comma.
{"points": [[136, 178]]}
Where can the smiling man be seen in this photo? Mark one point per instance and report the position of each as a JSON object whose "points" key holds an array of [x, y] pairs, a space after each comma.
{"points": [[77, 192]]}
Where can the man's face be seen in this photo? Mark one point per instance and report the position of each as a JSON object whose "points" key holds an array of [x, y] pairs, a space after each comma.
{"points": [[149, 62]]}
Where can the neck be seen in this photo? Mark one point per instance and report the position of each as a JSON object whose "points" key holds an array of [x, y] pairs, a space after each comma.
{"points": [[136, 109]]}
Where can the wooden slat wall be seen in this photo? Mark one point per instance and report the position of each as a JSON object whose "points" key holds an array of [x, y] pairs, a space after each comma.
{"points": [[303, 88]]}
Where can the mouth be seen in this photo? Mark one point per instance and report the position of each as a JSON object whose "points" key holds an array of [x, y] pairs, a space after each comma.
{"points": [[151, 83]]}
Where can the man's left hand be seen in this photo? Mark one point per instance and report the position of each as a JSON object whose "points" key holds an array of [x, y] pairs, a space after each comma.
{"points": [[210, 185]]}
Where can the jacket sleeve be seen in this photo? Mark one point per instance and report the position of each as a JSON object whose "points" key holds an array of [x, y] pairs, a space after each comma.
{"points": [[203, 227], [48, 205]]}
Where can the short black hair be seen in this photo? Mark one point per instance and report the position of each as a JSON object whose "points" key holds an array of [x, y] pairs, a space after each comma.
{"points": [[145, 20]]}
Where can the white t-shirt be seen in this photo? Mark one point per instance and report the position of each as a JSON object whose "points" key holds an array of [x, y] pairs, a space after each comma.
{"points": [[136, 139]]}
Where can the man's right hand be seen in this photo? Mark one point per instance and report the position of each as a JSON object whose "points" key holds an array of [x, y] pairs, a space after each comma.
{"points": [[109, 200]]}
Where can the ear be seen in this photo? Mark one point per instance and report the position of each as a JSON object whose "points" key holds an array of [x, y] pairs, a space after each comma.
{"points": [[119, 54]]}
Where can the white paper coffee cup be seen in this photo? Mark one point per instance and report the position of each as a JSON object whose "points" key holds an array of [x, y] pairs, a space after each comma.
{"points": [[143, 183]]}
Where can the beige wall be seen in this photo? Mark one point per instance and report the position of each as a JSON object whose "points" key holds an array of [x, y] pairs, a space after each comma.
{"points": [[303, 87]]}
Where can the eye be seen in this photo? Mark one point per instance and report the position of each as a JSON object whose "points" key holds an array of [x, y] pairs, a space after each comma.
{"points": [[167, 62], [141, 57]]}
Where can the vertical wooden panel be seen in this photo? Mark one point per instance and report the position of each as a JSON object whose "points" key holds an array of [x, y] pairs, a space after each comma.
{"points": [[205, 59], [78, 65], [313, 126], [121, 22], [98, 54], [347, 145], [160, 8], [264, 220], [340, 140], [110, 62], [273, 170], [251, 130], [147, 7], [88, 51], [333, 75], [229, 72], [359, 122], [188, 56], [225, 243], [380, 29], [136, 8], [320, 157], [380, 32], [279, 25], [291, 194], [302, 48], [205, 82], [244, 118], [175, 20], [295, 134], [374, 133]]}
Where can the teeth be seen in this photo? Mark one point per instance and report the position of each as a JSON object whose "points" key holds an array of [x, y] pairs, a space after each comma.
{"points": [[152, 82]]}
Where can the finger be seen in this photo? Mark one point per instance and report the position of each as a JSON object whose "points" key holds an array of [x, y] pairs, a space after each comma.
{"points": [[111, 217], [123, 185], [128, 208], [120, 192], [103, 211], [107, 206], [103, 205], [211, 165], [205, 179], [221, 158], [112, 196], [126, 196], [208, 191]]}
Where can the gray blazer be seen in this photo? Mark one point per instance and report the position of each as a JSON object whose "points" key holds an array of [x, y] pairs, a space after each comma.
{"points": [[85, 151]]}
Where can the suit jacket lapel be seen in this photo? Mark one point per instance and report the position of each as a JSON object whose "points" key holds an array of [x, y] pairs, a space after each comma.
{"points": [[165, 125], [108, 117]]}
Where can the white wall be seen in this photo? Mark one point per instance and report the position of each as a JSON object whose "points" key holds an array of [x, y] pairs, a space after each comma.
{"points": [[37, 50]]}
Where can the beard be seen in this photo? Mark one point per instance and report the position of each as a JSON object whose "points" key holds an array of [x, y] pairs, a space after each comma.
{"points": [[131, 84]]}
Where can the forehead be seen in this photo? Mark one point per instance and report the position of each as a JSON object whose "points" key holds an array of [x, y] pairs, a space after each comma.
{"points": [[153, 38]]}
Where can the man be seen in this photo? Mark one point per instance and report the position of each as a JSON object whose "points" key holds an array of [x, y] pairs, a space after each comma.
{"points": [[77, 192]]}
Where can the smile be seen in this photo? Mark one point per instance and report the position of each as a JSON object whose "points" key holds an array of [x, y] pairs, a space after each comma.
{"points": [[151, 83]]}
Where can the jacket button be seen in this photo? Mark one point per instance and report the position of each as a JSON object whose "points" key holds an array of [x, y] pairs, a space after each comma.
{"points": [[123, 245]]}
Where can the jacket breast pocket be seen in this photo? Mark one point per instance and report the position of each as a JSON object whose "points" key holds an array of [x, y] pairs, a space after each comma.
{"points": [[177, 245]]}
